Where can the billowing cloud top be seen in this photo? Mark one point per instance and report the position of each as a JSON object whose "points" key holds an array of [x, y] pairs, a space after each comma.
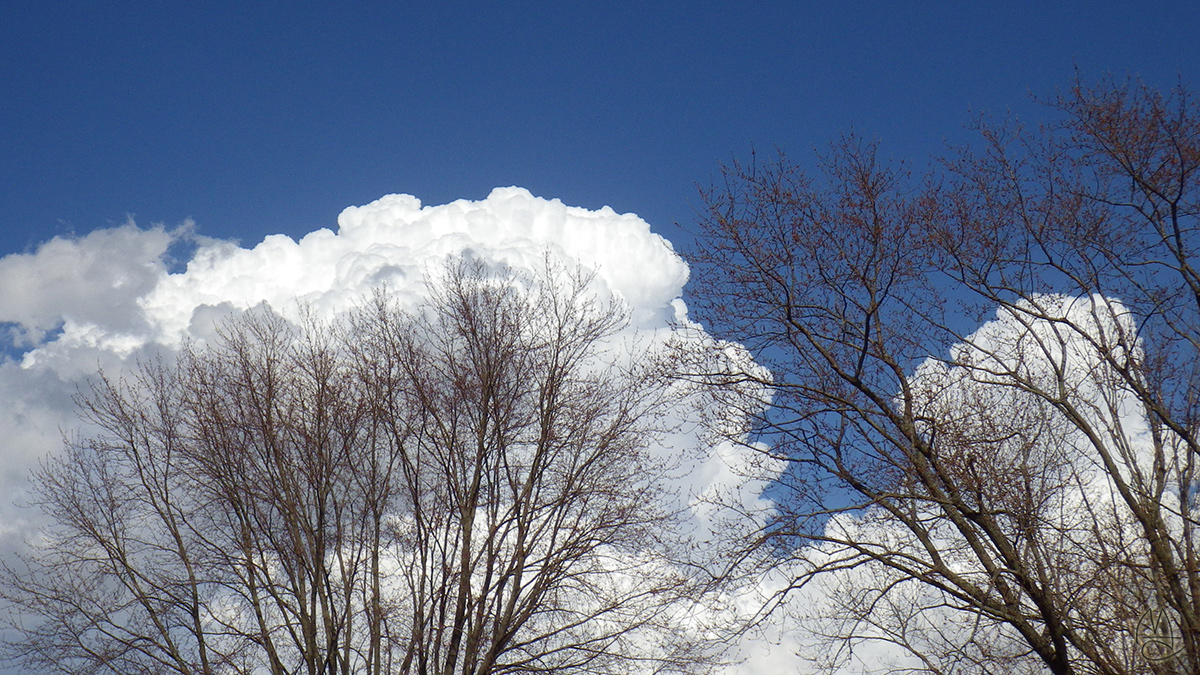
{"points": [[394, 240], [110, 292]]}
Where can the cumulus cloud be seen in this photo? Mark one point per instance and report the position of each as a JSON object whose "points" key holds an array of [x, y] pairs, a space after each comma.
{"points": [[395, 239], [78, 301], [95, 279], [992, 424], [106, 299]]}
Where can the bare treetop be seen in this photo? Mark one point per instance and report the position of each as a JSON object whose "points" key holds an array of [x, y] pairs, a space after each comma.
{"points": [[463, 489], [1013, 497]]}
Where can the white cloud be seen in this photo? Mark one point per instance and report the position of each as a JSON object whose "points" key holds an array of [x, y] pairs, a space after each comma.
{"points": [[95, 279], [108, 298], [1053, 342], [395, 239]]}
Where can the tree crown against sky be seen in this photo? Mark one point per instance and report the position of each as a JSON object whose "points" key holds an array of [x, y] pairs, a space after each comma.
{"points": [[465, 488], [1006, 497]]}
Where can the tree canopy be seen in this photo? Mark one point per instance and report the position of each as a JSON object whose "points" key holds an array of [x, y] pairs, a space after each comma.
{"points": [[464, 488], [1001, 497]]}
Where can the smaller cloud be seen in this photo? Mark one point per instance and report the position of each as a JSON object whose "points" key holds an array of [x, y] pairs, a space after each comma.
{"points": [[93, 280]]}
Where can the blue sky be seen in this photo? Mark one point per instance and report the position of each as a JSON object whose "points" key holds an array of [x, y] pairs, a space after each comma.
{"points": [[260, 118]]}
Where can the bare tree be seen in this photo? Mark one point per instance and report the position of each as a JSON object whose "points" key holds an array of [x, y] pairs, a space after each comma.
{"points": [[215, 524], [465, 488], [1023, 501], [529, 500]]}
